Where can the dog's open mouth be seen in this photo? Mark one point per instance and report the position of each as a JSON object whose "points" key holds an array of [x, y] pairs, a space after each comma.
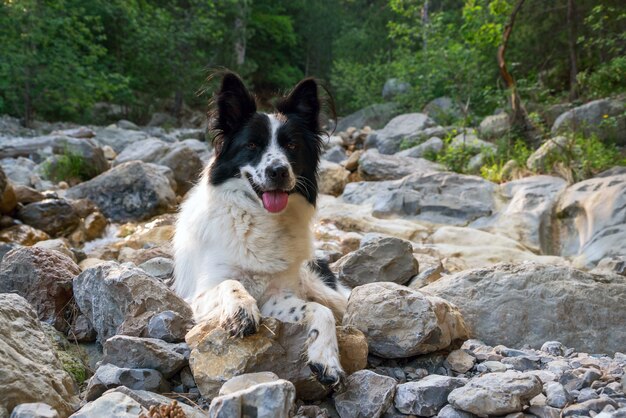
{"points": [[274, 201]]}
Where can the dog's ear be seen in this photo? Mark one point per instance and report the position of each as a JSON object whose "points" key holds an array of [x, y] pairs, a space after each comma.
{"points": [[304, 102], [235, 104]]}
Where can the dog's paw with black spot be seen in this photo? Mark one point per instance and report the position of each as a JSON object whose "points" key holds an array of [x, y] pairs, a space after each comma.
{"points": [[327, 375], [242, 322]]}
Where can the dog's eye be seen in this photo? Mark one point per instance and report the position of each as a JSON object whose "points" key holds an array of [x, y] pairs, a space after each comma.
{"points": [[291, 146], [251, 145]]}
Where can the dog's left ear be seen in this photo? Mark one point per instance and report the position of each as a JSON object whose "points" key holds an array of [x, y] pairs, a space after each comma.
{"points": [[303, 101]]}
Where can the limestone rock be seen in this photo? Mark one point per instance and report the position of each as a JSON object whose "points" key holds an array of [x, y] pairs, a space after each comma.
{"points": [[22, 235], [404, 127], [460, 361], [56, 217], [268, 399], [34, 410], [432, 145], [168, 326], [365, 394], [427, 396], [494, 126], [376, 116], [111, 405], [374, 166], [332, 178], [147, 150], [589, 119], [109, 376], [149, 399], [443, 110], [117, 138]]}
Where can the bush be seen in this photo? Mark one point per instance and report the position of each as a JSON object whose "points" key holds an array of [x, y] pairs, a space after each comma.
{"points": [[69, 167]]}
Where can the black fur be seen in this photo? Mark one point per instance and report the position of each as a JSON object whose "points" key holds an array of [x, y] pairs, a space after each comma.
{"points": [[322, 268]]}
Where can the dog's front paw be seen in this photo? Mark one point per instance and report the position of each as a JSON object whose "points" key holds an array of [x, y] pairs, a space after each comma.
{"points": [[327, 374], [242, 322]]}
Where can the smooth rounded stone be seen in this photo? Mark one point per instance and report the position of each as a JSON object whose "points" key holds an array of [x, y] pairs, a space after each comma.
{"points": [[383, 259], [494, 126], [30, 371], [23, 235], [460, 361], [432, 145], [149, 353], [589, 118], [44, 278], [547, 152], [587, 407], [376, 116], [544, 293], [274, 399], [336, 154], [246, 381], [168, 326], [332, 178], [426, 396], [121, 299], [491, 366], [111, 405], [160, 267], [410, 126], [554, 348], [496, 393], [400, 322], [556, 395], [374, 166], [109, 376], [130, 191], [56, 217], [149, 399], [365, 394], [34, 410], [449, 411]]}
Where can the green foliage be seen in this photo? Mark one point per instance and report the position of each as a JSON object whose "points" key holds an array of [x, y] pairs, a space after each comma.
{"points": [[608, 78], [69, 166]]}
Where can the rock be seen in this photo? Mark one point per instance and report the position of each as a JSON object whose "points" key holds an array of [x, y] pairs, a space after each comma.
{"points": [[426, 396], [365, 394], [544, 157], [269, 399], [119, 299], [448, 411], [383, 259], [554, 348], [335, 154], [109, 376], [590, 119], [441, 198], [376, 116], [401, 322], [394, 87], [460, 361], [432, 145], [147, 150], [186, 165], [614, 264], [246, 381], [150, 353], [443, 110], [22, 235], [353, 349], [8, 198], [556, 395], [29, 369], [111, 405], [117, 138], [496, 393], [34, 410], [59, 244], [44, 278], [160, 267], [590, 220], [588, 407], [544, 411], [469, 140], [276, 347], [56, 217], [374, 166], [26, 195], [332, 178], [149, 399], [94, 225], [168, 326], [82, 330], [410, 126], [500, 304], [162, 119], [495, 126], [130, 191], [126, 124]]}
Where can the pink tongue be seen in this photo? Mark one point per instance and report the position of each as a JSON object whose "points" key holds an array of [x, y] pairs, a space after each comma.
{"points": [[275, 201]]}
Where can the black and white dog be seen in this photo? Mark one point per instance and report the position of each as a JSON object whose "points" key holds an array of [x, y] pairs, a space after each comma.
{"points": [[243, 243]]}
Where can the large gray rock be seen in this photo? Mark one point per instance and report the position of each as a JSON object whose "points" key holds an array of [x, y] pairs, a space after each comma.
{"points": [[185, 163], [542, 159], [496, 393], [150, 399], [117, 138], [408, 127], [375, 116], [443, 110], [34, 410], [147, 150], [130, 191], [44, 278], [21, 171], [383, 259], [168, 326], [592, 221], [432, 145], [55, 217], [150, 353], [29, 369], [365, 394], [119, 299], [591, 119], [528, 303], [440, 198], [470, 141], [427, 396], [401, 322], [109, 376], [494, 126], [268, 400], [111, 405], [374, 166]]}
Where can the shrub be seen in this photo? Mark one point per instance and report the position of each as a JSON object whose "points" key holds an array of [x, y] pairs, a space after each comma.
{"points": [[69, 166]]}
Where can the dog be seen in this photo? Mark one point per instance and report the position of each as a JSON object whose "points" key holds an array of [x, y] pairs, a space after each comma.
{"points": [[243, 243]]}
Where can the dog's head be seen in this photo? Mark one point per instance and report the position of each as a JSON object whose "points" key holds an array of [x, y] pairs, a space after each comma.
{"points": [[276, 154]]}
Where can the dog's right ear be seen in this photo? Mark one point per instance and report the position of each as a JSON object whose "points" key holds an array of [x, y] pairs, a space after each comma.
{"points": [[235, 105]]}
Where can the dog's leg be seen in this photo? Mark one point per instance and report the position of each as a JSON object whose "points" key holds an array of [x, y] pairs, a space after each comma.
{"points": [[230, 304], [322, 348]]}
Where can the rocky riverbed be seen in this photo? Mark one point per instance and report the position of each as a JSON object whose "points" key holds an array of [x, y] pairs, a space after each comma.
{"points": [[470, 298]]}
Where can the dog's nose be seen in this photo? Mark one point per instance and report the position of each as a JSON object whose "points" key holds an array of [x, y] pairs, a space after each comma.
{"points": [[277, 172]]}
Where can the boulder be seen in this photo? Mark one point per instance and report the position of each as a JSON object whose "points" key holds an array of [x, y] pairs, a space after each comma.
{"points": [[427, 396], [120, 299], [130, 191], [375, 116], [394, 87], [147, 150], [150, 399], [410, 126], [382, 259], [118, 138], [29, 369], [44, 278], [111, 405], [469, 140], [443, 110], [186, 165], [530, 303], [400, 322], [168, 326], [22, 235], [332, 178], [495, 126], [365, 394], [335, 154], [432, 145], [56, 217], [544, 157], [591, 119], [109, 376], [374, 166], [268, 399], [34, 410], [26, 195]]}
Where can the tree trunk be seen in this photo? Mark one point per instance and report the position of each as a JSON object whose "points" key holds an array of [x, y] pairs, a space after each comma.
{"points": [[573, 61], [519, 116], [241, 22], [28, 102], [425, 21]]}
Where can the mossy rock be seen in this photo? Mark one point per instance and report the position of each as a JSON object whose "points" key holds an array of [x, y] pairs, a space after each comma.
{"points": [[72, 357]]}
